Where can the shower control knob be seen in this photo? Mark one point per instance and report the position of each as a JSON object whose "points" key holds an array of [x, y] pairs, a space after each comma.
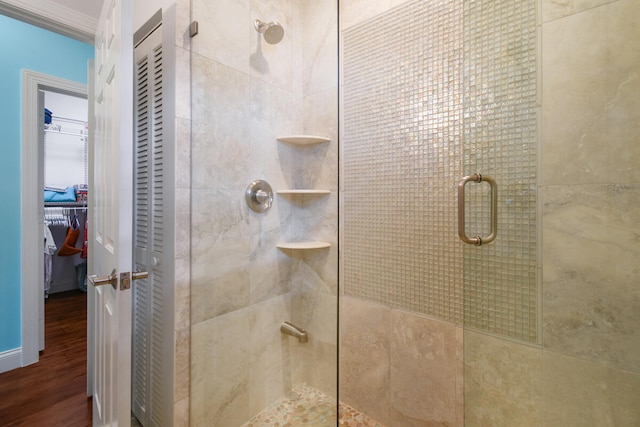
{"points": [[262, 196], [259, 196]]}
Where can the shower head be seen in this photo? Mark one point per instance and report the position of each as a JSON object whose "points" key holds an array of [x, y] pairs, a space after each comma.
{"points": [[272, 31]]}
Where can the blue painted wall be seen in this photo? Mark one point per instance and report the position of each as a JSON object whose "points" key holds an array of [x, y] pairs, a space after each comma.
{"points": [[23, 46]]}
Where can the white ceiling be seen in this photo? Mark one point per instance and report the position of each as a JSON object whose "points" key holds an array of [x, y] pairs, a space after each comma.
{"points": [[87, 7], [73, 18]]}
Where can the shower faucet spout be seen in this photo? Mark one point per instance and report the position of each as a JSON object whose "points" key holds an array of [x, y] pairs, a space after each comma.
{"points": [[290, 329]]}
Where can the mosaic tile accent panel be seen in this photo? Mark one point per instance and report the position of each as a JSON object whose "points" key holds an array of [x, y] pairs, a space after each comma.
{"points": [[434, 91], [307, 406], [500, 140], [402, 149]]}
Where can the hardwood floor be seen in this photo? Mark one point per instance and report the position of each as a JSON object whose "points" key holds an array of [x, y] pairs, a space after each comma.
{"points": [[52, 392]]}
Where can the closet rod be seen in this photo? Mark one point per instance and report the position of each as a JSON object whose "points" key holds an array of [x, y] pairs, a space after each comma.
{"points": [[62, 132], [66, 119], [65, 204]]}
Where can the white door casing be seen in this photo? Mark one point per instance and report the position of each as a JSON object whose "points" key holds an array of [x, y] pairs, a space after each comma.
{"points": [[32, 213], [111, 214]]}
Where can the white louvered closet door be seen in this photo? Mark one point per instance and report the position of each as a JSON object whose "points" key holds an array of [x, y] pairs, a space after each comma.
{"points": [[149, 301]]}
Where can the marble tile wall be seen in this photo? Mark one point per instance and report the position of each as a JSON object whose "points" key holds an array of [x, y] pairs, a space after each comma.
{"points": [[589, 125], [502, 382], [591, 273], [220, 379], [508, 383], [316, 361], [590, 113], [237, 363], [245, 94], [580, 393], [240, 289], [585, 373], [400, 368], [590, 211], [315, 275], [182, 221]]}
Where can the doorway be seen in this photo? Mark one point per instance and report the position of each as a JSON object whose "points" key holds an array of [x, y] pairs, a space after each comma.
{"points": [[66, 175], [33, 180]]}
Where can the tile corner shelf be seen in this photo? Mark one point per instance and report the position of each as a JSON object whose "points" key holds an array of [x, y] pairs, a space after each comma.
{"points": [[294, 248], [303, 246], [303, 139], [300, 191]]}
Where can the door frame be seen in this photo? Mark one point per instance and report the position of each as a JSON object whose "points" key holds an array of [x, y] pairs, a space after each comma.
{"points": [[32, 200]]}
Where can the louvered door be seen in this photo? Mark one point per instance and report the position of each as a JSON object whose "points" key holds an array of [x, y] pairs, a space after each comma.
{"points": [[149, 336]]}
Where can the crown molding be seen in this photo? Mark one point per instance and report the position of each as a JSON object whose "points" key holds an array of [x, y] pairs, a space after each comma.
{"points": [[53, 17]]}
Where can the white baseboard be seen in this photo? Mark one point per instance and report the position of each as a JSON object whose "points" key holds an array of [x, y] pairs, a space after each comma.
{"points": [[10, 360]]}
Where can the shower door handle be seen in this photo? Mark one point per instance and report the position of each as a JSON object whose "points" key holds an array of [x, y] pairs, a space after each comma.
{"points": [[478, 241]]}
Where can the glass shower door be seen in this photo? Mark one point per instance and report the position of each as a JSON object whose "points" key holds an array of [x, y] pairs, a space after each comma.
{"points": [[264, 283], [551, 307], [501, 282]]}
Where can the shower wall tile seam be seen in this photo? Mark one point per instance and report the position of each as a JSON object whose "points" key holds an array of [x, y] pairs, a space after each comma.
{"points": [[604, 3], [591, 361], [267, 83], [244, 73], [504, 338], [244, 308], [591, 185], [374, 375]]}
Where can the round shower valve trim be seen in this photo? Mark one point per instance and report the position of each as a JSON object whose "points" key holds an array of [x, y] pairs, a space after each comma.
{"points": [[259, 196]]}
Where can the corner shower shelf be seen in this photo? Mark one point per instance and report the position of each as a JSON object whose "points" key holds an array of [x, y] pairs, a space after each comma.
{"points": [[303, 139], [304, 246], [312, 192]]}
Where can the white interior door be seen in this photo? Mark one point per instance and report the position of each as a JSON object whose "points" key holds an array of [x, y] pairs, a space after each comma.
{"points": [[41, 213], [111, 208]]}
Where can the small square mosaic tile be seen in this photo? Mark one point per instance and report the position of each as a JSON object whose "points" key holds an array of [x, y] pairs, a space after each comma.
{"points": [[434, 91]]}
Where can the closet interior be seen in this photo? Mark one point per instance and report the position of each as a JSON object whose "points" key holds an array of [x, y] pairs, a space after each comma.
{"points": [[65, 153]]}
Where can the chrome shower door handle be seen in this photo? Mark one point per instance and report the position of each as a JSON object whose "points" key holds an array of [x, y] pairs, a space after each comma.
{"points": [[478, 241]]}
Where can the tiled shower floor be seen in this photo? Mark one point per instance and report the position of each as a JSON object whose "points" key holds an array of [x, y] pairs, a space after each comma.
{"points": [[310, 407]]}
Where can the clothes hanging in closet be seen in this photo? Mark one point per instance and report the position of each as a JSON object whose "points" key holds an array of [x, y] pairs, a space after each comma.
{"points": [[69, 246], [50, 249], [68, 268]]}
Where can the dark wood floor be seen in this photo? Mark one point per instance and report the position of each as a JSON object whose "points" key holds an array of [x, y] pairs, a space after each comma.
{"points": [[52, 392]]}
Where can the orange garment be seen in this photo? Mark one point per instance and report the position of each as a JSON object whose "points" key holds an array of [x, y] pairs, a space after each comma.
{"points": [[68, 247], [86, 239]]}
